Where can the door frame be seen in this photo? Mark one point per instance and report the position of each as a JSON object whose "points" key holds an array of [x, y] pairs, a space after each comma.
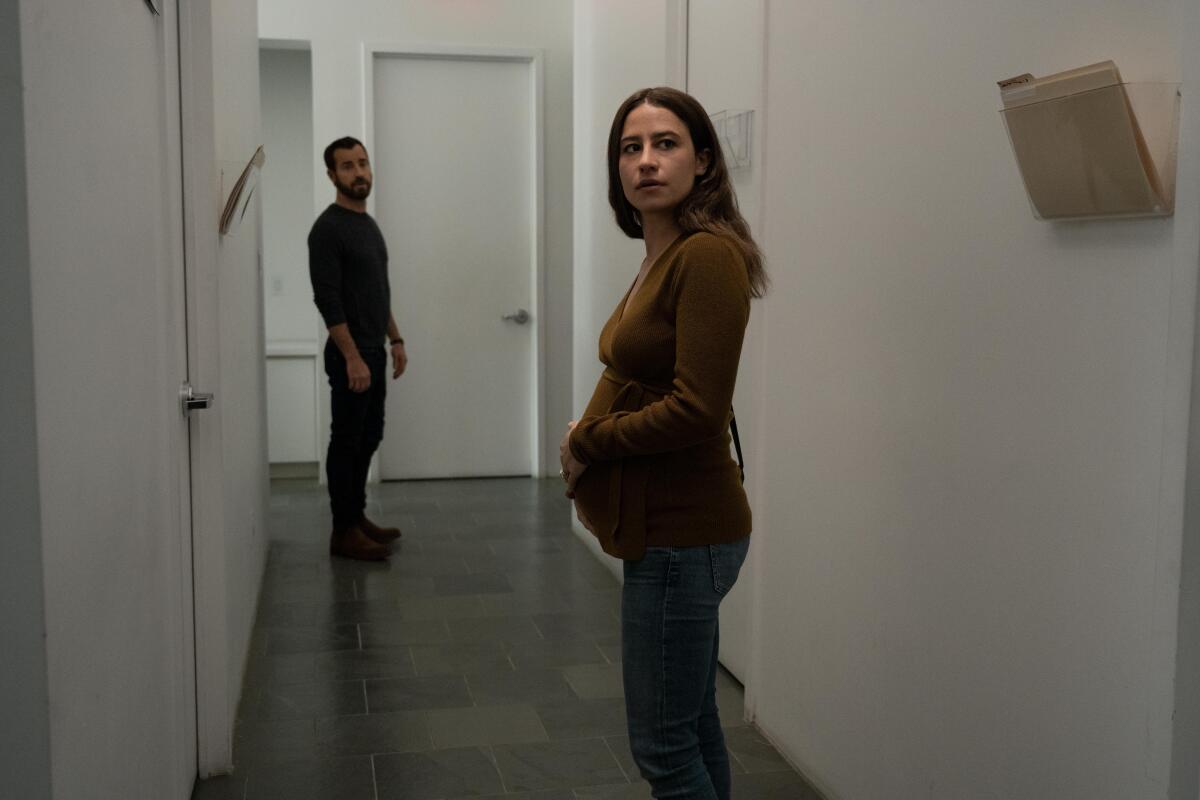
{"points": [[187, 732], [214, 700], [536, 60]]}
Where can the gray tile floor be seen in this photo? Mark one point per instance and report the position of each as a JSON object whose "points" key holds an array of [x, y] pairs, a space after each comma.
{"points": [[482, 661]]}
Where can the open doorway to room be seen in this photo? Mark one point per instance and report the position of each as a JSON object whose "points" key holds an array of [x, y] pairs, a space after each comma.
{"points": [[292, 327]]}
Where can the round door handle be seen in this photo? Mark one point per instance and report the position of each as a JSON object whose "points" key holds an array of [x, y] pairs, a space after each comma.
{"points": [[520, 317]]}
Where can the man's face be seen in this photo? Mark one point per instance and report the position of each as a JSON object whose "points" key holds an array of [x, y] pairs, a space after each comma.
{"points": [[351, 172]]}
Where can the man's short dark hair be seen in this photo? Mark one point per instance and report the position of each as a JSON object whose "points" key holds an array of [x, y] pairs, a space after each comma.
{"points": [[344, 143]]}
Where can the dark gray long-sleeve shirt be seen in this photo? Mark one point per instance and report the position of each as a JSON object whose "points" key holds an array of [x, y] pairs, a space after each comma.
{"points": [[348, 265]]}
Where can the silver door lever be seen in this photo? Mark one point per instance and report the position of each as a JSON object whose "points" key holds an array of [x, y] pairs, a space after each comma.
{"points": [[192, 400], [521, 317]]}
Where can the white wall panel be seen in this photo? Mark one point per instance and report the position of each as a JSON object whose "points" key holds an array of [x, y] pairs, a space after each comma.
{"points": [[976, 464], [242, 397], [24, 748], [1185, 753], [725, 73], [291, 403]]}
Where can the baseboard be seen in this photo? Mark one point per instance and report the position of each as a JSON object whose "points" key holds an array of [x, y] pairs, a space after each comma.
{"points": [[825, 792], [295, 469]]}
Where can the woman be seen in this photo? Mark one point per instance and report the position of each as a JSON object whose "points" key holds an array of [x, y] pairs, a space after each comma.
{"points": [[648, 464]]}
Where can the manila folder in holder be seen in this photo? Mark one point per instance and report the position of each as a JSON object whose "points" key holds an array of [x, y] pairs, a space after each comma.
{"points": [[1078, 145]]}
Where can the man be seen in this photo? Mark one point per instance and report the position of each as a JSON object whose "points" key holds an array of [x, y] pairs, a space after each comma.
{"points": [[348, 264]]}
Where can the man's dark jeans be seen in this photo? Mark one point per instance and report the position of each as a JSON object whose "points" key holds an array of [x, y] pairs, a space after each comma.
{"points": [[355, 432]]}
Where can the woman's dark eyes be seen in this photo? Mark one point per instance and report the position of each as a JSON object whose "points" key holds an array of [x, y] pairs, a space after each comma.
{"points": [[665, 144]]}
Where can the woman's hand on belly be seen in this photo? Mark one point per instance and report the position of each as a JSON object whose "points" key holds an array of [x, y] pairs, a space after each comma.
{"points": [[571, 468]]}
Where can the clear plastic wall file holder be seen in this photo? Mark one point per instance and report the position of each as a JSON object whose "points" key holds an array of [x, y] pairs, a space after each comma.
{"points": [[1099, 154], [733, 131]]}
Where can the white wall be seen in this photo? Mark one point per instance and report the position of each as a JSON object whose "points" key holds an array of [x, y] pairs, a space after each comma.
{"points": [[975, 470], [725, 73], [1185, 772], [1185, 755], [24, 747], [337, 33], [238, 131]]}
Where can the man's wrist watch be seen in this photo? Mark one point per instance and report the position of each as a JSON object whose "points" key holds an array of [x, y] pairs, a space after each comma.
{"points": [[397, 340]]}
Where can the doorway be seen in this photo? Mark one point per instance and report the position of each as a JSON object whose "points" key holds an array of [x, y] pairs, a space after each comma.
{"points": [[456, 146], [294, 334]]}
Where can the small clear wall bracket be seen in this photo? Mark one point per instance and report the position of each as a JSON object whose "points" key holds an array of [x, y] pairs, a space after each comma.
{"points": [[733, 131]]}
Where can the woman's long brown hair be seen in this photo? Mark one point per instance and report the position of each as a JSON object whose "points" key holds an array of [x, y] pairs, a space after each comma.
{"points": [[711, 206]]}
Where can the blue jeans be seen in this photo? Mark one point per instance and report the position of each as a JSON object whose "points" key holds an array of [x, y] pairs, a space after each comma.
{"points": [[669, 639]]}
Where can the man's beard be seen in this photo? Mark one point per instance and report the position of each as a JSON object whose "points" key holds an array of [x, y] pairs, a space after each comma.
{"points": [[360, 190]]}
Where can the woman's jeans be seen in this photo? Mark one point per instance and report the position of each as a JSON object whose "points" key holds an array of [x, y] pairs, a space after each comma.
{"points": [[669, 644]]}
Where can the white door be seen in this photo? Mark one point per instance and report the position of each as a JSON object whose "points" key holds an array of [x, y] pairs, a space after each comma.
{"points": [[151, 94], [455, 157], [118, 554]]}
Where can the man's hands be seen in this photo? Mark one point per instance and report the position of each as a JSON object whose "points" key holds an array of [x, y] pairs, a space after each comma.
{"points": [[399, 360], [571, 468], [358, 374], [399, 357]]}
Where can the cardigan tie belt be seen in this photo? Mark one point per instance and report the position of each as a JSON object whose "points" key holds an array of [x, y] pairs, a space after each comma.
{"points": [[624, 531]]}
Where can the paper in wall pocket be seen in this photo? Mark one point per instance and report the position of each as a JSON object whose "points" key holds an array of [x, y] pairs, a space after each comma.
{"points": [[240, 194], [1081, 149]]}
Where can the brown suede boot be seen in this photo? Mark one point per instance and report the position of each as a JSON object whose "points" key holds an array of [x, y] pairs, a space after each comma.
{"points": [[353, 543], [378, 534]]}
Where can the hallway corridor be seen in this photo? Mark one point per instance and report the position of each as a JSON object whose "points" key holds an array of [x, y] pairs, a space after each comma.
{"points": [[483, 661]]}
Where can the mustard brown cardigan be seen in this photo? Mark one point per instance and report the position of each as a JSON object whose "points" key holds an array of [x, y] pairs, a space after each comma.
{"points": [[655, 435]]}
